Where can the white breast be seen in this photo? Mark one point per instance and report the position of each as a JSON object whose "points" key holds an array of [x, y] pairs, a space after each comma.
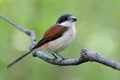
{"points": [[62, 42]]}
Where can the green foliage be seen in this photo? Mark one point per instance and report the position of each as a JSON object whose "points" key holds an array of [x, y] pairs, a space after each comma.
{"points": [[98, 29]]}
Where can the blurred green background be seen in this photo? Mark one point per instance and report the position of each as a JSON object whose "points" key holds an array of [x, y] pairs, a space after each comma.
{"points": [[98, 29]]}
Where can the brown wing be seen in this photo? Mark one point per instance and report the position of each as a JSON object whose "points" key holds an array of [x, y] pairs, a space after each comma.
{"points": [[51, 34]]}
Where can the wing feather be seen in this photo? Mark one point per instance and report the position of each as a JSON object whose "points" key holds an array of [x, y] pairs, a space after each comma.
{"points": [[51, 34]]}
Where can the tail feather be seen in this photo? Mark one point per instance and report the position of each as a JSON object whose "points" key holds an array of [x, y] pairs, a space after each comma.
{"points": [[18, 59]]}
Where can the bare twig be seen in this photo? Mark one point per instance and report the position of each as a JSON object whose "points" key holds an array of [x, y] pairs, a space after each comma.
{"points": [[86, 55], [15, 25]]}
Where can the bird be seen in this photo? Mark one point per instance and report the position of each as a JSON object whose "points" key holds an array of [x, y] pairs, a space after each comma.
{"points": [[57, 38]]}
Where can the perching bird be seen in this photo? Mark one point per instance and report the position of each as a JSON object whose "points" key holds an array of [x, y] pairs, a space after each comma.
{"points": [[56, 38]]}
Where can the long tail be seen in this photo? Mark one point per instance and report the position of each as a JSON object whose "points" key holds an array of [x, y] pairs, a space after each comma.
{"points": [[18, 59]]}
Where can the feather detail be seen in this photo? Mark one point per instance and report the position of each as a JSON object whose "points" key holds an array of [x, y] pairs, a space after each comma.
{"points": [[53, 33]]}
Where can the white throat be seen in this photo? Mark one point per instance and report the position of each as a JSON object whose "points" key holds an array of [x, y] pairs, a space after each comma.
{"points": [[68, 24]]}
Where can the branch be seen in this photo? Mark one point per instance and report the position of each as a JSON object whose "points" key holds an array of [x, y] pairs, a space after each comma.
{"points": [[86, 55], [15, 25]]}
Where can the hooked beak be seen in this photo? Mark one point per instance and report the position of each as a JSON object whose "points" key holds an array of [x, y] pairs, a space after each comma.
{"points": [[73, 19]]}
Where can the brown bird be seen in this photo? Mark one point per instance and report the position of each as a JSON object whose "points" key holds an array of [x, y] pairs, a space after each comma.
{"points": [[56, 38]]}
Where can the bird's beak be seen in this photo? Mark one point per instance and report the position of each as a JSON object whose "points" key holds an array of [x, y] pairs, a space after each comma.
{"points": [[73, 19]]}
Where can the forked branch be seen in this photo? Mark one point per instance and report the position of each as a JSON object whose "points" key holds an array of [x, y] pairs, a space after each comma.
{"points": [[86, 55]]}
